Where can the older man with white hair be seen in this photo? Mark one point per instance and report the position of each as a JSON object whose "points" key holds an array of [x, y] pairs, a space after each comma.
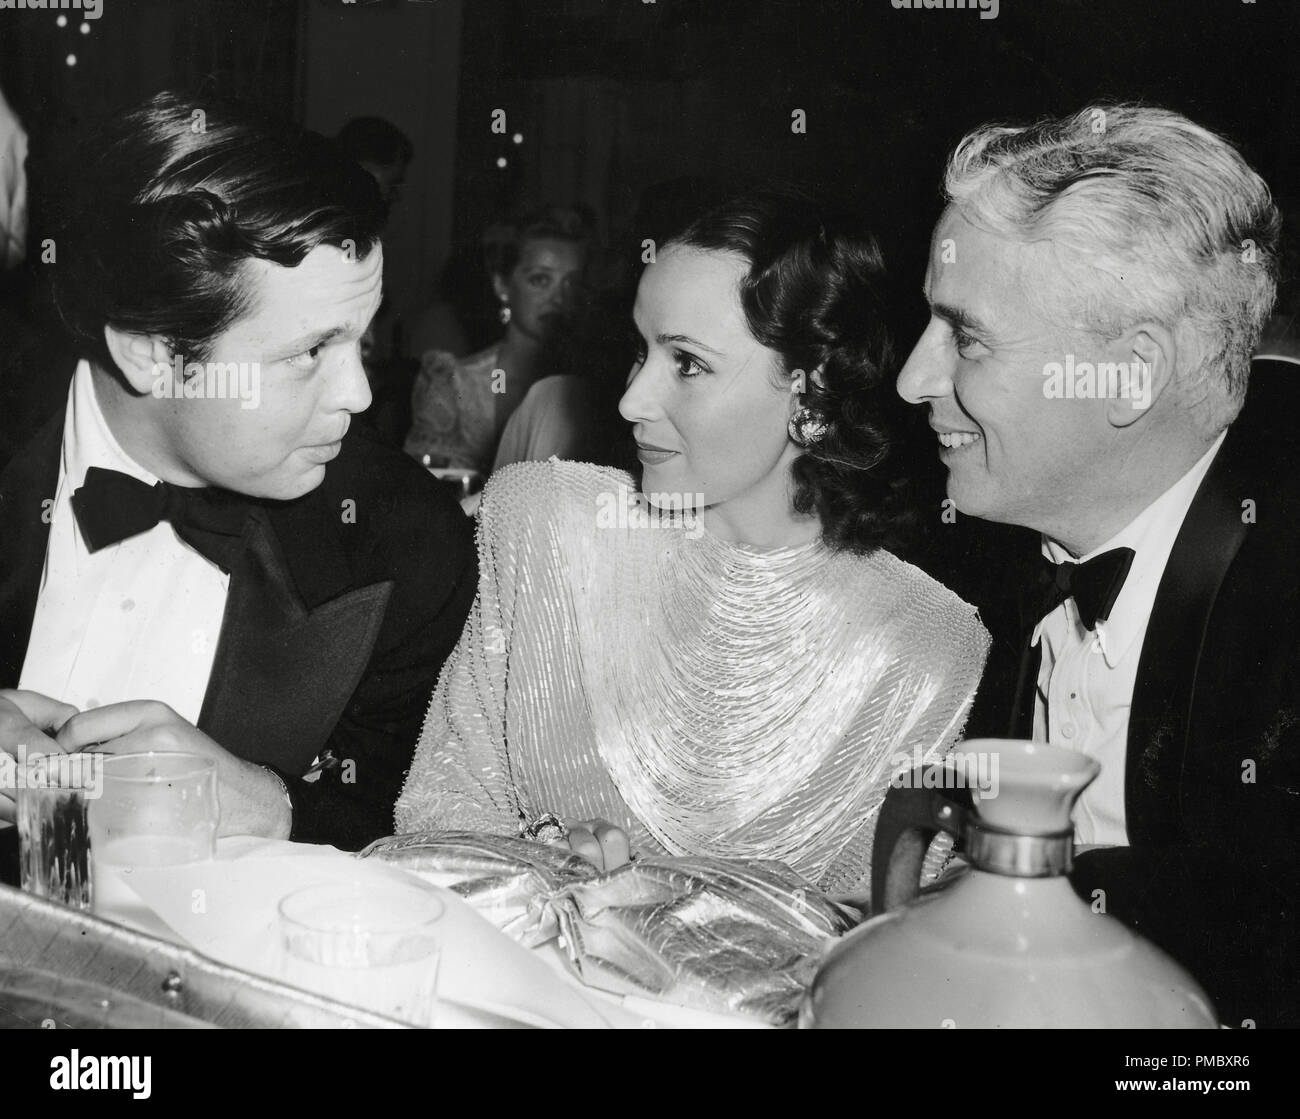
{"points": [[1096, 286]]}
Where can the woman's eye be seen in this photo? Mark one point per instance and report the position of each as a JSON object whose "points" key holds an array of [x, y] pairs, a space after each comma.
{"points": [[540, 280], [307, 359], [688, 366]]}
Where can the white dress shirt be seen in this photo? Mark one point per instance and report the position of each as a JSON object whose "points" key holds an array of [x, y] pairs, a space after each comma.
{"points": [[1085, 683], [136, 620]]}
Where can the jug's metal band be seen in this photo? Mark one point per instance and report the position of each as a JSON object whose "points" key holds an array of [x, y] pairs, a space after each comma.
{"points": [[1020, 856]]}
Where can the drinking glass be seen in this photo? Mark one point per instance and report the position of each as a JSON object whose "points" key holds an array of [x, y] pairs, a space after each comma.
{"points": [[53, 794], [373, 945], [157, 809]]}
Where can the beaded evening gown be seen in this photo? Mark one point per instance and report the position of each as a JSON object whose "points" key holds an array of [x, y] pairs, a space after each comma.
{"points": [[708, 697]]}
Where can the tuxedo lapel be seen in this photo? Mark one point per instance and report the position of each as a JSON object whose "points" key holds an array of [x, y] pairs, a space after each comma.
{"points": [[989, 564], [1024, 704], [284, 672], [1211, 535], [26, 485]]}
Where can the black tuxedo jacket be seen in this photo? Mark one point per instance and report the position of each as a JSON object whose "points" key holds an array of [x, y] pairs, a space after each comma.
{"points": [[1212, 781], [342, 607]]}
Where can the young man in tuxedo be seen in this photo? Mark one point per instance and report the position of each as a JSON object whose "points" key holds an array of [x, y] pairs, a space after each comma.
{"points": [[1096, 287], [197, 552]]}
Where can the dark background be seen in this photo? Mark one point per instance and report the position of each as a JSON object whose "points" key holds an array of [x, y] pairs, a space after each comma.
{"points": [[610, 96]]}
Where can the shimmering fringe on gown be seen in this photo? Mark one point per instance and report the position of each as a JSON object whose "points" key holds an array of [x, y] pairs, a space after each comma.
{"points": [[710, 698]]}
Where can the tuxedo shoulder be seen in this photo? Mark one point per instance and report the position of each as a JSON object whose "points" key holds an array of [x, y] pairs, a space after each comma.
{"points": [[1258, 476], [1263, 439], [981, 561], [390, 479], [387, 504]]}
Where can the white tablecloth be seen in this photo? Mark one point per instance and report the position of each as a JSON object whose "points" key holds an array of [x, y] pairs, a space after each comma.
{"points": [[226, 909]]}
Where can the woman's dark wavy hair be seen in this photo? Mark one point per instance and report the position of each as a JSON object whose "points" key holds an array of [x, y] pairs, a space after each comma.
{"points": [[164, 204], [814, 293]]}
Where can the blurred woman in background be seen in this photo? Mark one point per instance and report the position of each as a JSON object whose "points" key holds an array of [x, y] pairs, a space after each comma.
{"points": [[459, 406]]}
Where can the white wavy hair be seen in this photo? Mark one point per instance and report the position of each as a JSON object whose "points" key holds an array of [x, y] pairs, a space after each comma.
{"points": [[1150, 217]]}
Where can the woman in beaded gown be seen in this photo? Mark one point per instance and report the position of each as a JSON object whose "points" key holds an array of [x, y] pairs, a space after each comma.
{"points": [[722, 660]]}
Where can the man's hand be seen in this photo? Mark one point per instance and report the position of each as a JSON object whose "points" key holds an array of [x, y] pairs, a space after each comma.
{"points": [[599, 842], [28, 719], [252, 802]]}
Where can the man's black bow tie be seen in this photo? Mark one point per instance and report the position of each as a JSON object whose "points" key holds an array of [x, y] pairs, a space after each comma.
{"points": [[111, 506], [1094, 586]]}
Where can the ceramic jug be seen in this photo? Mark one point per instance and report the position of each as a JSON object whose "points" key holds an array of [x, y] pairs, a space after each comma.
{"points": [[1006, 943]]}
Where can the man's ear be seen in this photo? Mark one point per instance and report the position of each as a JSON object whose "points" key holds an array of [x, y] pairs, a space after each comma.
{"points": [[1150, 353], [138, 356]]}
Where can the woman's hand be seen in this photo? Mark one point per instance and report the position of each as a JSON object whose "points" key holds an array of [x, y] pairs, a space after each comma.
{"points": [[599, 842]]}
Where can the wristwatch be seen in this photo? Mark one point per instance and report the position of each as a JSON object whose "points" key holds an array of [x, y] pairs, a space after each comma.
{"points": [[284, 789]]}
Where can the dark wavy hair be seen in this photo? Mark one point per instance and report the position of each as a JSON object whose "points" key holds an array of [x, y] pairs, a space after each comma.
{"points": [[814, 293], [165, 203]]}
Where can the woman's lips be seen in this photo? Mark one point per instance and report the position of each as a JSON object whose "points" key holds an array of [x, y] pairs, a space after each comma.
{"points": [[652, 455]]}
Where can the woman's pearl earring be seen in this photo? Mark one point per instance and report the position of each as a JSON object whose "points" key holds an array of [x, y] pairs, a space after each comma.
{"points": [[503, 313]]}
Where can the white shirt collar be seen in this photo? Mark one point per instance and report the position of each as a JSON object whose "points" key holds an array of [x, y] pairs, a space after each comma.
{"points": [[87, 439], [1151, 535], [87, 442]]}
